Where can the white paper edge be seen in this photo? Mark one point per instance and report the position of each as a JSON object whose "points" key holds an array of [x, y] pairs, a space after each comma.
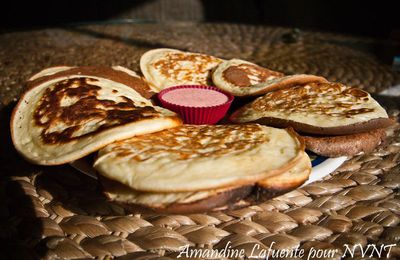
{"points": [[82, 166], [324, 169]]}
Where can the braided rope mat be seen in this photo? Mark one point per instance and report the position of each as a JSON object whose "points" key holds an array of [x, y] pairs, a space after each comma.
{"points": [[56, 212]]}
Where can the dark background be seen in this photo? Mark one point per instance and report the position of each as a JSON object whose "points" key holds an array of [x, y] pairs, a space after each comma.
{"points": [[365, 18]]}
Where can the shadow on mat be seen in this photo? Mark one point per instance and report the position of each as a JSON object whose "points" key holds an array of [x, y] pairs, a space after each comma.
{"points": [[121, 39], [29, 193], [21, 228]]}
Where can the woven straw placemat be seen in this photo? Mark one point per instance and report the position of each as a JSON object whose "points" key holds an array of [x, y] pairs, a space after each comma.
{"points": [[56, 212]]}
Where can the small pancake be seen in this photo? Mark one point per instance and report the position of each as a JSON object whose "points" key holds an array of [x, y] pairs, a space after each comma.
{"points": [[164, 68], [68, 113], [199, 157], [243, 78], [345, 145], [290, 179], [316, 108], [178, 203]]}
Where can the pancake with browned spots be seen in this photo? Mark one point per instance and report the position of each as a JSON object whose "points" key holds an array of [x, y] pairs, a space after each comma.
{"points": [[316, 108], [199, 157], [205, 200], [116, 73], [164, 68], [243, 78], [67, 113]]}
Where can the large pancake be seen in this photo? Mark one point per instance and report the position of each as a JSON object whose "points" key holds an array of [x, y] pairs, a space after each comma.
{"points": [[194, 158], [243, 78], [316, 108], [178, 202], [164, 68], [200, 201], [345, 145], [68, 113]]}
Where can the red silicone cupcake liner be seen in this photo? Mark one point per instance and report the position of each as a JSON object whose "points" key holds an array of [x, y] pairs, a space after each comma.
{"points": [[197, 115]]}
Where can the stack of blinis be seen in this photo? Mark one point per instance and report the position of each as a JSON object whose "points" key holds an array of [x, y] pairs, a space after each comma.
{"points": [[146, 157]]}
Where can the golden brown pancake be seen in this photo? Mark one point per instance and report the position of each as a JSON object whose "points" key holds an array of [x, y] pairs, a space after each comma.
{"points": [[68, 113], [200, 201], [345, 145], [164, 68], [177, 203], [243, 78], [117, 74], [199, 157], [290, 179], [316, 108]]}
